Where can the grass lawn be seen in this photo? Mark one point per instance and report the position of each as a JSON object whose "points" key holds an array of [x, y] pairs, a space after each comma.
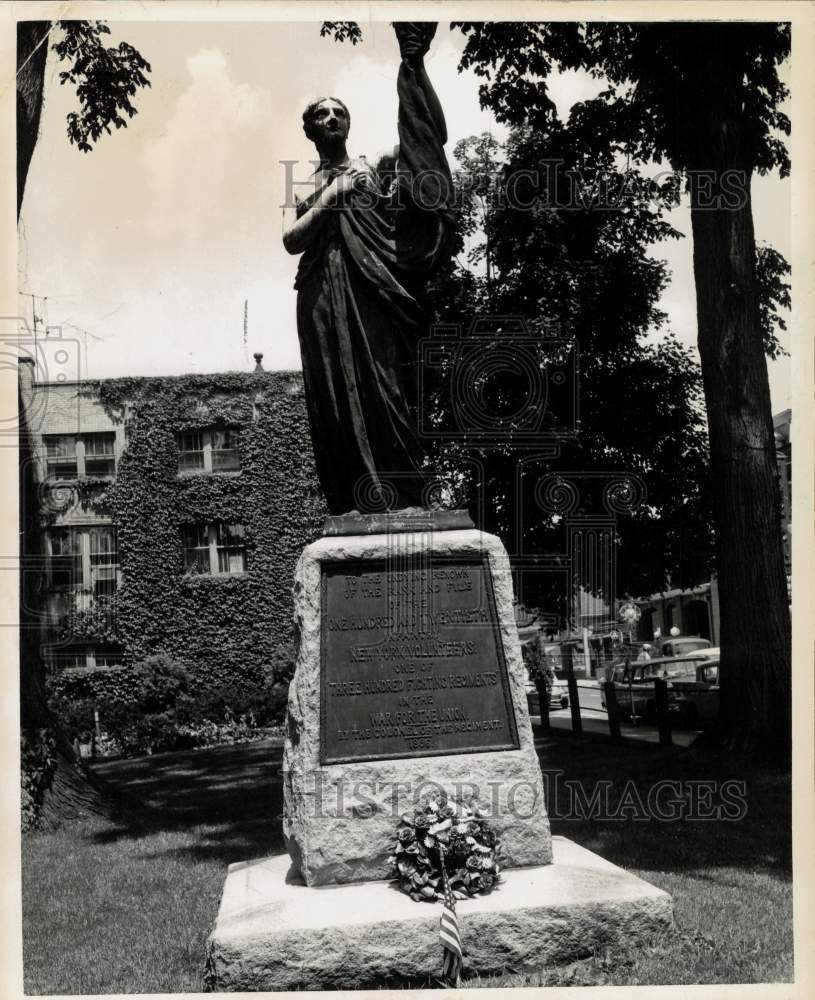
{"points": [[125, 906]]}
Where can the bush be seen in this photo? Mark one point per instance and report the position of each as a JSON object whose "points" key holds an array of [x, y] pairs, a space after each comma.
{"points": [[159, 705]]}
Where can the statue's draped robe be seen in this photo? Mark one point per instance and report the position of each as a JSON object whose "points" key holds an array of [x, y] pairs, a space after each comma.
{"points": [[359, 321]]}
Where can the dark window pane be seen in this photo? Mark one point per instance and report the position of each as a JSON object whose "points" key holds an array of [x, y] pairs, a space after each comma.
{"points": [[190, 461], [104, 560], [231, 551], [99, 454], [191, 441], [195, 539], [66, 558], [108, 659], [60, 451], [229, 534], [63, 659], [194, 535], [190, 451], [225, 455], [103, 545], [100, 467], [225, 460], [60, 446]]}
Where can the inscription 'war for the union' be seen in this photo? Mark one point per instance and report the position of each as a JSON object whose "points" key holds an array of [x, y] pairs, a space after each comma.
{"points": [[418, 677]]}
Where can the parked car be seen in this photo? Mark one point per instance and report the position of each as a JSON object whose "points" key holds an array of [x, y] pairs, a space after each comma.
{"points": [[558, 696], [634, 685], [678, 645], [694, 700]]}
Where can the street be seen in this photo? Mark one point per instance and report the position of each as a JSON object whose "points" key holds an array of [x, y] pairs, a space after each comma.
{"points": [[595, 719]]}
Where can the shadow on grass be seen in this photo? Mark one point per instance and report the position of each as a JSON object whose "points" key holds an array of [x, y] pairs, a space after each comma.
{"points": [[230, 796], [597, 794], [722, 810]]}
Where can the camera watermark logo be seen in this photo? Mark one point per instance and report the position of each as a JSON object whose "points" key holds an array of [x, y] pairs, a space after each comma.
{"points": [[41, 362], [584, 507], [498, 384], [417, 581]]}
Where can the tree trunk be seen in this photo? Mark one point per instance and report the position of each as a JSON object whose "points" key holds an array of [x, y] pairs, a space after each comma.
{"points": [[32, 51], [755, 622], [543, 703], [73, 793]]}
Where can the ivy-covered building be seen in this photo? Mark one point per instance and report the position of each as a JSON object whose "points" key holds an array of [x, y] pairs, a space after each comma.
{"points": [[172, 512]]}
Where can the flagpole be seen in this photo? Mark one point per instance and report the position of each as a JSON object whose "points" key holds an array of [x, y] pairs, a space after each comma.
{"points": [[449, 931]]}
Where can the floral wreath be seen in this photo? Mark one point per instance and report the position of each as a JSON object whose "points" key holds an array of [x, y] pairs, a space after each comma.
{"points": [[456, 833]]}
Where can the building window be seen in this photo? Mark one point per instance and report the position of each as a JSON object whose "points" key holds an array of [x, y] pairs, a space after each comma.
{"points": [[83, 656], [196, 548], [68, 659], [225, 456], [191, 451], [213, 449], [100, 458], [231, 548], [79, 456], [215, 549], [107, 656], [85, 558], [104, 560], [60, 451], [66, 558]]}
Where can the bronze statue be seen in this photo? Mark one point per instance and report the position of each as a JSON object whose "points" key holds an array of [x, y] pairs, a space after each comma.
{"points": [[370, 237]]}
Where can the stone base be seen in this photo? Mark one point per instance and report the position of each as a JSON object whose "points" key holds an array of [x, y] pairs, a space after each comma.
{"points": [[276, 934], [339, 818], [388, 522]]}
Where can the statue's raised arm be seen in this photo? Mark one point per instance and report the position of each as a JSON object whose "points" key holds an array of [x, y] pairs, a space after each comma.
{"points": [[423, 237], [367, 248]]}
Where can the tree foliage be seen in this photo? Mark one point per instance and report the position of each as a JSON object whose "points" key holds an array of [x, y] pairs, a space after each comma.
{"points": [[582, 274], [658, 102], [106, 79], [342, 31]]}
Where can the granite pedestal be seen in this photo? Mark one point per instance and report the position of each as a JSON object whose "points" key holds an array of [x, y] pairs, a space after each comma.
{"points": [[274, 934], [409, 683], [340, 818]]}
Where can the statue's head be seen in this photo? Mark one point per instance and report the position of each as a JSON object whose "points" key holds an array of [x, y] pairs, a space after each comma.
{"points": [[326, 121]]}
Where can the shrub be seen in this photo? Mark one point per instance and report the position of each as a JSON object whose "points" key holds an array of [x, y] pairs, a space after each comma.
{"points": [[158, 704]]}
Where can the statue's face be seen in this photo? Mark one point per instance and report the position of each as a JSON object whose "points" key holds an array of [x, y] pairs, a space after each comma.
{"points": [[329, 123]]}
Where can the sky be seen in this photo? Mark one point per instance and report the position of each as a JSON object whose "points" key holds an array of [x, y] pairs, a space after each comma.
{"points": [[147, 248]]}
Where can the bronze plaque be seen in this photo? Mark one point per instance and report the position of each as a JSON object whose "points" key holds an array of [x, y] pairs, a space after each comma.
{"points": [[412, 662]]}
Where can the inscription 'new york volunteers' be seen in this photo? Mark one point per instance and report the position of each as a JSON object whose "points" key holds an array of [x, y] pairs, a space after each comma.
{"points": [[412, 662]]}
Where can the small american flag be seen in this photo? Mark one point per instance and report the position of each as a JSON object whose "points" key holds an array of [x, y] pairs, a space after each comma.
{"points": [[448, 931]]}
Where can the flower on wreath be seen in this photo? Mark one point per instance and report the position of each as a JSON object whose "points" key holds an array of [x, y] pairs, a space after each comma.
{"points": [[467, 840]]}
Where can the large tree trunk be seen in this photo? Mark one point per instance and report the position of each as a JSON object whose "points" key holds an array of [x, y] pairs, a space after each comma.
{"points": [[755, 620], [32, 50]]}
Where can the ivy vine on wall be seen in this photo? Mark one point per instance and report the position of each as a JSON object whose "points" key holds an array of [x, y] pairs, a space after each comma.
{"points": [[225, 628]]}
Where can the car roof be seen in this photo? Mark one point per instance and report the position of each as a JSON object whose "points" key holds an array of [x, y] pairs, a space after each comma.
{"points": [[663, 640]]}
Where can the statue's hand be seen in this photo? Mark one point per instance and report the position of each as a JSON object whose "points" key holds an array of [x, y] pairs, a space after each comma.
{"points": [[414, 39], [350, 180]]}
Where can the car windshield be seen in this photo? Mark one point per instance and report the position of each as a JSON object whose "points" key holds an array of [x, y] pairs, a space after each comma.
{"points": [[676, 647]]}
